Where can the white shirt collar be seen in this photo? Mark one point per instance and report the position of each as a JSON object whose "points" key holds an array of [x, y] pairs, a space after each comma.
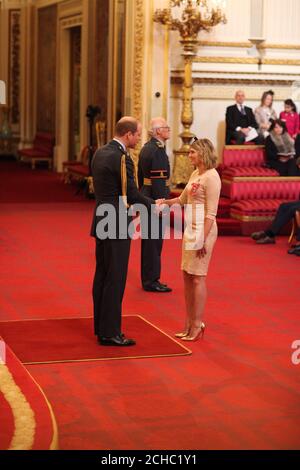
{"points": [[121, 143]]}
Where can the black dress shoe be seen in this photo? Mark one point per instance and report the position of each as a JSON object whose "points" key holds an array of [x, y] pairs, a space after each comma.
{"points": [[157, 287], [161, 284], [266, 241], [257, 235], [119, 340], [295, 250]]}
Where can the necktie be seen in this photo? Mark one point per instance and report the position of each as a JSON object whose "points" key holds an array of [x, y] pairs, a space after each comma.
{"points": [[243, 110]]}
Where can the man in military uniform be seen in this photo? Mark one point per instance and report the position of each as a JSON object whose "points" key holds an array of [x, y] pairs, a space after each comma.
{"points": [[154, 174], [115, 188]]}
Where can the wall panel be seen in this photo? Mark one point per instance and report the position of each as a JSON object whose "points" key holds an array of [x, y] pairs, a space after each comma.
{"points": [[46, 69]]}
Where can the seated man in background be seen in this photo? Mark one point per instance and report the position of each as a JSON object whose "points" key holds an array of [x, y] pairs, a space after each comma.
{"points": [[241, 124], [285, 213]]}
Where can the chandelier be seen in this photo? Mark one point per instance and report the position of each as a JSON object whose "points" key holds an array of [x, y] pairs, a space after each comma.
{"points": [[189, 17]]}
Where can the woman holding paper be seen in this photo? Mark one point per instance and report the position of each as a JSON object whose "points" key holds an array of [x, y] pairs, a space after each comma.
{"points": [[265, 113], [201, 199]]}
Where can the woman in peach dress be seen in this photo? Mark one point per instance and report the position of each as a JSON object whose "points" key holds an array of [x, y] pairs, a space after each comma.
{"points": [[201, 192]]}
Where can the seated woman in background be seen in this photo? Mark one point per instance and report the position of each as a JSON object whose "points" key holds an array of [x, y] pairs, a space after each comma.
{"points": [[290, 117], [280, 150], [265, 113]]}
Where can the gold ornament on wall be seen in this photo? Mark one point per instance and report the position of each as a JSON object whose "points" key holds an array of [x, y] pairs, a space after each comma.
{"points": [[189, 17]]}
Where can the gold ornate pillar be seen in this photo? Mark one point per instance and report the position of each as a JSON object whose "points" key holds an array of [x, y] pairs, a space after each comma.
{"points": [[190, 17], [182, 167]]}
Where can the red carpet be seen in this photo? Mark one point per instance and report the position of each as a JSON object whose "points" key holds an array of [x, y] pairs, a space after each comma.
{"points": [[69, 340], [27, 185], [238, 390], [27, 420]]}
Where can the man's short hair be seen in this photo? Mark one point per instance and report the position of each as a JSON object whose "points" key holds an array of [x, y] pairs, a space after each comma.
{"points": [[126, 124]]}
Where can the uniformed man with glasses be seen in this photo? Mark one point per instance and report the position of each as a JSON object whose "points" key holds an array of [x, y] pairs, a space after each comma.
{"points": [[154, 175]]}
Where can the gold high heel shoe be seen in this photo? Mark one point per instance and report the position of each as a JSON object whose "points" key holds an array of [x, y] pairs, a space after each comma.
{"points": [[182, 335], [199, 333]]}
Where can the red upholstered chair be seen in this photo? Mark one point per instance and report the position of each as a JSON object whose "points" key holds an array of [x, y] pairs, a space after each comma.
{"points": [[79, 171], [42, 150]]}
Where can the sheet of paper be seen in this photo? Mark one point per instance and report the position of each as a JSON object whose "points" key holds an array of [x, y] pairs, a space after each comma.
{"points": [[252, 135]]}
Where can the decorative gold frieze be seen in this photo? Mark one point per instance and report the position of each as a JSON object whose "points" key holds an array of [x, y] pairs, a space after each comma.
{"points": [[71, 22], [248, 45], [232, 81], [245, 60]]}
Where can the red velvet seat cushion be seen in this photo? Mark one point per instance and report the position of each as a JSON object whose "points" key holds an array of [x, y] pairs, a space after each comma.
{"points": [[42, 147], [70, 163], [36, 153], [248, 157], [231, 172], [79, 169], [287, 189], [257, 207]]}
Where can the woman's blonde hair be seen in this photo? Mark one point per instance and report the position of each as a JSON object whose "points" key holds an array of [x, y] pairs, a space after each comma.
{"points": [[206, 152]]}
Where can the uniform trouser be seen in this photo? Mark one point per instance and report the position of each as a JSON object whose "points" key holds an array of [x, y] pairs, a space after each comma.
{"points": [[285, 213], [151, 253], [109, 284]]}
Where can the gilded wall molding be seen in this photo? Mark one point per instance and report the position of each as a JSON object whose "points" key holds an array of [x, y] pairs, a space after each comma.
{"points": [[138, 60], [247, 45], [220, 92], [240, 72], [224, 44], [245, 60], [233, 81]]}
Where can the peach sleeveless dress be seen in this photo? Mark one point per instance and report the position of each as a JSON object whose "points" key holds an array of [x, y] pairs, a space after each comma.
{"points": [[202, 189]]}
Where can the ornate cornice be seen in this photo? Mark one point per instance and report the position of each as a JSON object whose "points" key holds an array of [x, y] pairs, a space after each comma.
{"points": [[72, 21], [247, 45], [245, 60]]}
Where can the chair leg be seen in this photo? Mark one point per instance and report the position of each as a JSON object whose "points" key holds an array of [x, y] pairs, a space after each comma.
{"points": [[291, 237]]}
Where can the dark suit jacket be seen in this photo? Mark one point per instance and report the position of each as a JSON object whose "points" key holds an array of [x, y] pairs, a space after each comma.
{"points": [[271, 150], [234, 119], [106, 172]]}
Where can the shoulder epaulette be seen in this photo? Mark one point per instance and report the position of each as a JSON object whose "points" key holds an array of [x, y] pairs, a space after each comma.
{"points": [[160, 145]]}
